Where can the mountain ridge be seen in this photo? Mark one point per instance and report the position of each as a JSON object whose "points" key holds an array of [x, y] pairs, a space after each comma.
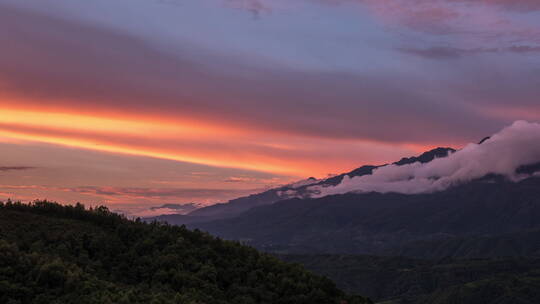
{"points": [[375, 223], [442, 200], [237, 206]]}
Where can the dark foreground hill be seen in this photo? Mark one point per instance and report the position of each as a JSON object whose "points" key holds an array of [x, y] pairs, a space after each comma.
{"points": [[488, 217], [63, 254], [401, 280]]}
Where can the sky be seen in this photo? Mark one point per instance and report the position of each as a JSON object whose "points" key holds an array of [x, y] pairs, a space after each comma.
{"points": [[140, 103]]}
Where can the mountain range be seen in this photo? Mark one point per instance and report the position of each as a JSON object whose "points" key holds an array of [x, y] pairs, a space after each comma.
{"points": [[237, 206], [375, 223], [479, 201]]}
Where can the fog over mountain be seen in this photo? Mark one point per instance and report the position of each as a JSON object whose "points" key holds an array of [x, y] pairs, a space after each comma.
{"points": [[479, 201], [503, 153], [299, 189], [510, 153]]}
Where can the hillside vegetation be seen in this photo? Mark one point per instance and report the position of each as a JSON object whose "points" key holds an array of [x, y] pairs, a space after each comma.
{"points": [[51, 253], [400, 280]]}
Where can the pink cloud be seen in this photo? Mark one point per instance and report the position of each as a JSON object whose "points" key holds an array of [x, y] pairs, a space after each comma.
{"points": [[521, 5], [445, 17]]}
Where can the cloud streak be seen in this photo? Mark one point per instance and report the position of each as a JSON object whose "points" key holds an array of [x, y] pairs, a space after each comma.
{"points": [[255, 7], [129, 194], [15, 168], [134, 192], [455, 53], [179, 207]]}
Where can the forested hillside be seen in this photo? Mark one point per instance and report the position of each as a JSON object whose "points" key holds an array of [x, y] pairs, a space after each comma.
{"points": [[65, 254], [400, 280]]}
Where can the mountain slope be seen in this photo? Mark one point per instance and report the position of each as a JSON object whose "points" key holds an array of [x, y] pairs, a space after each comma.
{"points": [[375, 223], [518, 244], [237, 206], [403, 280], [55, 254], [476, 196]]}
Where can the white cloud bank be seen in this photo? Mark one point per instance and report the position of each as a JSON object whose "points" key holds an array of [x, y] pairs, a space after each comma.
{"points": [[503, 153]]}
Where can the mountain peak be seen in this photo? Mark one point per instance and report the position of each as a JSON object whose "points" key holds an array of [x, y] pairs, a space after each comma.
{"points": [[484, 139], [426, 157]]}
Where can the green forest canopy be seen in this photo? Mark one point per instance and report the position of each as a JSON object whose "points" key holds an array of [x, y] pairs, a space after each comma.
{"points": [[50, 253]]}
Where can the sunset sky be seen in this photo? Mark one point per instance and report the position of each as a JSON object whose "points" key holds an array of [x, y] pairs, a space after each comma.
{"points": [[139, 103]]}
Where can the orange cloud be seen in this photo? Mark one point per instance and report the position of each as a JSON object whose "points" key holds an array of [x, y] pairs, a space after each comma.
{"points": [[187, 140], [143, 126]]}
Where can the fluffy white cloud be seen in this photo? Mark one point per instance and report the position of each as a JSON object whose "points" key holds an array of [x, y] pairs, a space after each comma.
{"points": [[506, 151]]}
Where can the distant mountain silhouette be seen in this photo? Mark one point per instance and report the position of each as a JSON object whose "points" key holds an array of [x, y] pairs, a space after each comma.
{"points": [[426, 157], [491, 216], [484, 211], [237, 206]]}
